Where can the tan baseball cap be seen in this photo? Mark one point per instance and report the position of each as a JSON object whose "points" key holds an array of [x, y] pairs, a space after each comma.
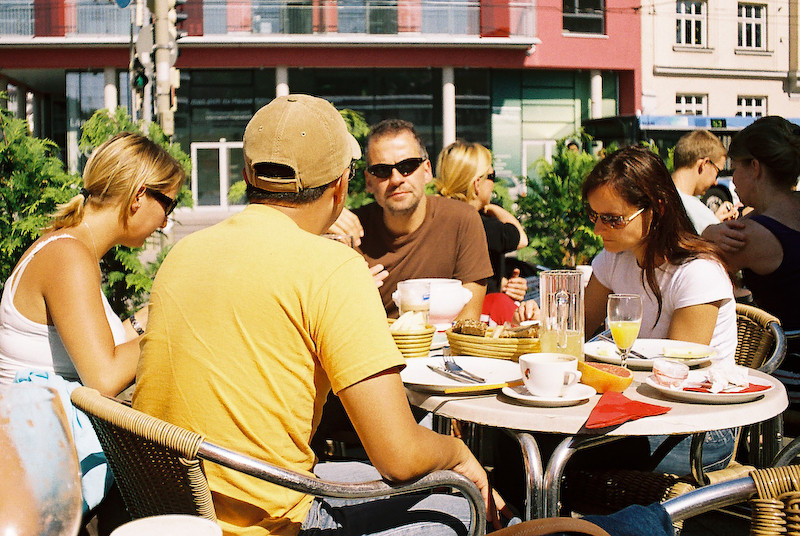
{"points": [[304, 133]]}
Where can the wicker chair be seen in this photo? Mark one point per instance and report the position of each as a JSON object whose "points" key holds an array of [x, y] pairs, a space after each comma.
{"points": [[159, 466], [774, 495], [762, 346]]}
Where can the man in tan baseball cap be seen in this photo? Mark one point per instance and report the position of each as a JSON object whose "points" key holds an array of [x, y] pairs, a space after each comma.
{"points": [[253, 321]]}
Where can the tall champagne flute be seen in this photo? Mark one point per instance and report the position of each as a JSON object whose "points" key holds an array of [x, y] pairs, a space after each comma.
{"points": [[40, 493], [624, 319]]}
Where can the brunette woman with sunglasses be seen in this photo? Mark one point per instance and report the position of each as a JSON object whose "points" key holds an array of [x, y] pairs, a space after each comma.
{"points": [[54, 317], [650, 249]]}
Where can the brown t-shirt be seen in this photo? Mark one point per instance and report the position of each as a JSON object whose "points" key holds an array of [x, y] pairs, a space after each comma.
{"points": [[450, 243]]}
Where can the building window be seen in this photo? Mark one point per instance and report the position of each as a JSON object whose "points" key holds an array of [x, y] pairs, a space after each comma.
{"points": [[752, 26], [584, 16], [690, 23], [690, 105], [751, 106]]}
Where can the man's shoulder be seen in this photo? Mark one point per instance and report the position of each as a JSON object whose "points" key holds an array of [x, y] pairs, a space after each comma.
{"points": [[452, 208]]}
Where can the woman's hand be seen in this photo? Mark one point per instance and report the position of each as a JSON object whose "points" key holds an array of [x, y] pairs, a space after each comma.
{"points": [[516, 287], [528, 310]]}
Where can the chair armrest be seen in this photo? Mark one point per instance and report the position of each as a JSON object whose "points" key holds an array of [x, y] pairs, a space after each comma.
{"points": [[709, 498], [552, 525], [775, 360], [324, 488]]}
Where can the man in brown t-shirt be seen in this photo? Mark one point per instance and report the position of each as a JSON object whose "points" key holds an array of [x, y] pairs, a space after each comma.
{"points": [[406, 234]]}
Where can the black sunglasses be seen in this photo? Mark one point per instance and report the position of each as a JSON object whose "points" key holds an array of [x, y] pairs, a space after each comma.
{"points": [[405, 167], [492, 176], [164, 200]]}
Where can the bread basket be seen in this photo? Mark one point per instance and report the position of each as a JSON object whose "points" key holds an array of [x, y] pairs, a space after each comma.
{"points": [[501, 348], [416, 343]]}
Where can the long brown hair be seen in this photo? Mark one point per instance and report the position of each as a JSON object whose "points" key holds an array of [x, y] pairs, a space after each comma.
{"points": [[640, 177]]}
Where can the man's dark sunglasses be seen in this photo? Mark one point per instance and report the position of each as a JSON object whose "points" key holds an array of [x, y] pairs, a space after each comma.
{"points": [[492, 176], [164, 200], [405, 167]]}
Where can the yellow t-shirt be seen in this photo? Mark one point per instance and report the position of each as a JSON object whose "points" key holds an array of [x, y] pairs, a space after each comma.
{"points": [[252, 322]]}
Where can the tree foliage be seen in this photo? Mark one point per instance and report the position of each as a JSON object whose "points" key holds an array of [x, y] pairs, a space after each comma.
{"points": [[558, 228], [32, 183]]}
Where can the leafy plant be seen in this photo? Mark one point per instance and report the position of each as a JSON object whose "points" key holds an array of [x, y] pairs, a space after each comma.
{"points": [[32, 183], [560, 233], [126, 281]]}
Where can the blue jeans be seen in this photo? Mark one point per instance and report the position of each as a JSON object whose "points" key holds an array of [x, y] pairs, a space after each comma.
{"points": [[717, 451], [413, 514]]}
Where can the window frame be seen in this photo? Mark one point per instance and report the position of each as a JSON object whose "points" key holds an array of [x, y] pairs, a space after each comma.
{"points": [[751, 109], [579, 12], [687, 23], [747, 25], [698, 107]]}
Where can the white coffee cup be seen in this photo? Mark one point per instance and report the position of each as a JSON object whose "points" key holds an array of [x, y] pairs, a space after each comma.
{"points": [[169, 525], [548, 374]]}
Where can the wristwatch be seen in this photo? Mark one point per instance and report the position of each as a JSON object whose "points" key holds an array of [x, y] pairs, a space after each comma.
{"points": [[136, 325]]}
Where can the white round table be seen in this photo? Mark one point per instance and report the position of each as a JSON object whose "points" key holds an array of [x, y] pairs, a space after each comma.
{"points": [[543, 497]]}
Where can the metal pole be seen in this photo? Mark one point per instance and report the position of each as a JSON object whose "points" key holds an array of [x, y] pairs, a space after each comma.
{"points": [[162, 57]]}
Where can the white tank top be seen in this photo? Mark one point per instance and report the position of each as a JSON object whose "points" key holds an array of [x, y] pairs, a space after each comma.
{"points": [[25, 344]]}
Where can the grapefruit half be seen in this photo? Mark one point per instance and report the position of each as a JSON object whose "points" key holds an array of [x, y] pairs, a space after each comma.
{"points": [[604, 377]]}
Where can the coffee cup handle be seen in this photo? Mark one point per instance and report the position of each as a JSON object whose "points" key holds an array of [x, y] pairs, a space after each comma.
{"points": [[571, 377]]}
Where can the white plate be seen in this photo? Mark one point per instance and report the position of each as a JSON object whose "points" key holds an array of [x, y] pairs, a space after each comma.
{"points": [[419, 377], [607, 352], [575, 395], [707, 398]]}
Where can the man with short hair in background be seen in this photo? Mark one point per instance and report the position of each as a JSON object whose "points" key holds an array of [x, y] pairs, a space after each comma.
{"points": [[697, 160], [254, 320], [408, 233]]}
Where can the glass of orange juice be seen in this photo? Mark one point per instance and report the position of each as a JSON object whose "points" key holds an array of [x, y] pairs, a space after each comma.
{"points": [[624, 319]]}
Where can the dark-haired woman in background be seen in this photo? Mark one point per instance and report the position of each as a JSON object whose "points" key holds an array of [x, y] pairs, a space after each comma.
{"points": [[765, 244]]}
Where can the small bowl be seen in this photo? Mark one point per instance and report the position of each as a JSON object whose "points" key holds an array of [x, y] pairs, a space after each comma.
{"points": [[415, 343]]}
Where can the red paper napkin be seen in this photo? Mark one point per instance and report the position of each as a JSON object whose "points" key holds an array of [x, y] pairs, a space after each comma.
{"points": [[616, 408], [752, 388]]}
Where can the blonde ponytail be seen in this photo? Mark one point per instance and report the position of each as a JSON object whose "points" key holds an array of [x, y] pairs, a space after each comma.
{"points": [[68, 214]]}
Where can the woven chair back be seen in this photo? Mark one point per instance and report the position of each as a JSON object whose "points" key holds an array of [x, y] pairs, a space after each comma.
{"points": [[154, 463], [756, 341]]}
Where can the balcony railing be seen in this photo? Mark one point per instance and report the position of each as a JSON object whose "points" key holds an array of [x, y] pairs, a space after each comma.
{"points": [[377, 17], [287, 17]]}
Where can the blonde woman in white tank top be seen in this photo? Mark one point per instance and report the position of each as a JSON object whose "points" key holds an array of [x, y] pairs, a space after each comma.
{"points": [[53, 315]]}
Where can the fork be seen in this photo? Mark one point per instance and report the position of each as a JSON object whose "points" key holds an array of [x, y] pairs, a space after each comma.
{"points": [[451, 365]]}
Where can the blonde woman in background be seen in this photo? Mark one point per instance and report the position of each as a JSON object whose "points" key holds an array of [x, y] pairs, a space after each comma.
{"points": [[53, 314], [464, 171]]}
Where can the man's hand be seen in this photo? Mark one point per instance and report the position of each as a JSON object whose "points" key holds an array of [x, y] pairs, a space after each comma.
{"points": [[378, 274], [515, 287], [528, 310], [728, 235], [470, 468], [727, 211], [349, 224]]}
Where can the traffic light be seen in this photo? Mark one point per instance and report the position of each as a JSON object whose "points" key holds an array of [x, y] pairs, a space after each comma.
{"points": [[176, 16], [139, 77]]}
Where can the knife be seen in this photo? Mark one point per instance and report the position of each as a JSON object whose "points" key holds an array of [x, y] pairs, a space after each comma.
{"points": [[480, 388], [452, 375]]}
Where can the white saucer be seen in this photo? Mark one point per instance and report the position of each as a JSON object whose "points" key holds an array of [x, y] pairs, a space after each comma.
{"points": [[575, 394]]}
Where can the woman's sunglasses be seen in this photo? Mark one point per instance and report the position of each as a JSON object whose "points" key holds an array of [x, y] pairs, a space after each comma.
{"points": [[405, 167], [164, 200], [615, 222]]}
